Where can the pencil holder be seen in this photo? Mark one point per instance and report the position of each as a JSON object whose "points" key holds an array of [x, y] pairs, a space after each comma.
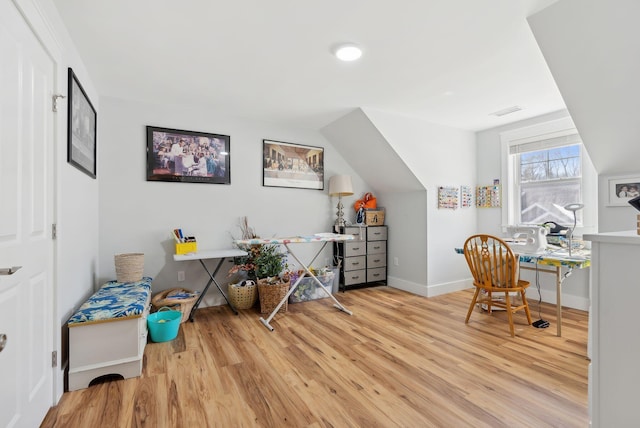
{"points": [[186, 247]]}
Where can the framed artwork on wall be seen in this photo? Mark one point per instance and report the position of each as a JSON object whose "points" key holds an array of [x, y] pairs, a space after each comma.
{"points": [[292, 165], [81, 128], [622, 189], [187, 156]]}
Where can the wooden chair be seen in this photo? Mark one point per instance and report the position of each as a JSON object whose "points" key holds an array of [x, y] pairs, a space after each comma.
{"points": [[494, 267]]}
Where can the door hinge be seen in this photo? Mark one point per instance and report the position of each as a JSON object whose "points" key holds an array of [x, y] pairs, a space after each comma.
{"points": [[54, 99], [54, 231], [54, 359]]}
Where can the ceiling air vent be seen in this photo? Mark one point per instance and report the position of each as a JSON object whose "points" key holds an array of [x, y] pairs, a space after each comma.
{"points": [[506, 111]]}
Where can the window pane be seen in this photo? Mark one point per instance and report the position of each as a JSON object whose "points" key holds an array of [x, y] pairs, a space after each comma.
{"points": [[544, 201], [550, 164]]}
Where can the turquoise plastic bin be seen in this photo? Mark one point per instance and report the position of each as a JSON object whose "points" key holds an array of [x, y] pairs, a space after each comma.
{"points": [[164, 324]]}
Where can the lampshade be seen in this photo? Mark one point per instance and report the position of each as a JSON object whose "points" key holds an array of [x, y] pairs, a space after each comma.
{"points": [[340, 185], [635, 202], [573, 207]]}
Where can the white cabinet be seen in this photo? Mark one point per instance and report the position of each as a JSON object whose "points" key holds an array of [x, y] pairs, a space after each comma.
{"points": [[614, 343]]}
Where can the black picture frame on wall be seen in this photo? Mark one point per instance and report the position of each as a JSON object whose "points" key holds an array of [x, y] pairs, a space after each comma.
{"points": [[292, 165], [180, 156], [81, 128]]}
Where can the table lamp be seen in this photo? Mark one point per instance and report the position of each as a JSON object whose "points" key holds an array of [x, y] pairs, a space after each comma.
{"points": [[340, 185], [573, 207]]}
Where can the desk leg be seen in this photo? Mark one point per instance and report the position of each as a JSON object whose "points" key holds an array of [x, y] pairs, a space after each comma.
{"points": [[212, 279], [295, 285], [559, 301]]}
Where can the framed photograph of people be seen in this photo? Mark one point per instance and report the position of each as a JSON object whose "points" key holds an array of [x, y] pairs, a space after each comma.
{"points": [[188, 156], [622, 189], [292, 165], [81, 128]]}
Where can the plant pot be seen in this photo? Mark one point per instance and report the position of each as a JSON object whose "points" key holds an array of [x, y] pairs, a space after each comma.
{"points": [[270, 295]]}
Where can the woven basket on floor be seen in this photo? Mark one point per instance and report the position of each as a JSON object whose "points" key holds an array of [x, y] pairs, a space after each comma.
{"points": [[242, 296], [129, 267], [271, 295], [178, 299]]}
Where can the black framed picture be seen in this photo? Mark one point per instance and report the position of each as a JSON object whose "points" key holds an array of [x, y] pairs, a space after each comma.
{"points": [[187, 156], [292, 165], [81, 128]]}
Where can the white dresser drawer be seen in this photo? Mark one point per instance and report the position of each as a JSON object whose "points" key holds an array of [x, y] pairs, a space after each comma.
{"points": [[376, 247], [355, 263], [355, 277], [376, 260], [377, 274], [355, 249], [377, 233], [359, 233]]}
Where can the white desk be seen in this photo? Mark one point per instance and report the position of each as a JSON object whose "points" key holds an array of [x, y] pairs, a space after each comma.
{"points": [[324, 238], [201, 256]]}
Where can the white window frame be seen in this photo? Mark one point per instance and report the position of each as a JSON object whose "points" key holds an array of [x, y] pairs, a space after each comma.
{"points": [[544, 131]]}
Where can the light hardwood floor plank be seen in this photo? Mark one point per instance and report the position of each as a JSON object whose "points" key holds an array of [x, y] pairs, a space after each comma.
{"points": [[401, 360]]}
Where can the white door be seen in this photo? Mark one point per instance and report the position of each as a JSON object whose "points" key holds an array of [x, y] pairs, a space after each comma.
{"points": [[26, 214]]}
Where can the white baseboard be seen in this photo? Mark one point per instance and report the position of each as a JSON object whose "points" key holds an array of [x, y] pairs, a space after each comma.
{"points": [[548, 296], [428, 291]]}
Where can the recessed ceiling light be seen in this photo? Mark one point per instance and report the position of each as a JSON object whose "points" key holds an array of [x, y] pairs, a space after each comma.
{"points": [[348, 52]]}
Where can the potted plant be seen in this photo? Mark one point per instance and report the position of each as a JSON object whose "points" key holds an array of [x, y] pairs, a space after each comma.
{"points": [[273, 283]]}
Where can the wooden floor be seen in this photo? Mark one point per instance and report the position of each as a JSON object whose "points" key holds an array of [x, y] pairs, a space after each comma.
{"points": [[401, 360]]}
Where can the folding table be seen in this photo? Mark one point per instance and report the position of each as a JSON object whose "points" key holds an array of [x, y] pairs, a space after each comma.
{"points": [[201, 256], [324, 238]]}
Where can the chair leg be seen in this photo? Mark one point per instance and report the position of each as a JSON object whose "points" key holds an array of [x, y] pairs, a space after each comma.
{"points": [[509, 313], [526, 306], [473, 303]]}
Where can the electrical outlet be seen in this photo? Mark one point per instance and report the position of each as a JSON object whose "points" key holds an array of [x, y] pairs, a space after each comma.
{"points": [[395, 261], [180, 275]]}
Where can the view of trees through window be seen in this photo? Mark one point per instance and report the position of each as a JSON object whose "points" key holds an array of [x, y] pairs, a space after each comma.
{"points": [[549, 180]]}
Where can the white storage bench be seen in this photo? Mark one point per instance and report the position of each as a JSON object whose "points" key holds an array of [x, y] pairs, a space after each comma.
{"points": [[107, 335]]}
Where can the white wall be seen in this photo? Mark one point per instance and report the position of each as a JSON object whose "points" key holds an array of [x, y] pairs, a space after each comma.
{"points": [[438, 156], [489, 156], [614, 218], [137, 215]]}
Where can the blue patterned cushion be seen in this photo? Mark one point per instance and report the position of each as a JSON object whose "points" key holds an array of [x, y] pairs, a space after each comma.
{"points": [[114, 300]]}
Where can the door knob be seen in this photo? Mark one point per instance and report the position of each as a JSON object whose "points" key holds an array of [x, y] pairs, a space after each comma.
{"points": [[9, 271], [3, 341]]}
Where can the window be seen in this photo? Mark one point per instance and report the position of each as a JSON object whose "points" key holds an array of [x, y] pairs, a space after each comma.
{"points": [[546, 169]]}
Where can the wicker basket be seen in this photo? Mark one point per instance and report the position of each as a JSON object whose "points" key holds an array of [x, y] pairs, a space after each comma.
{"points": [[178, 299], [374, 217], [129, 267], [271, 295], [242, 296]]}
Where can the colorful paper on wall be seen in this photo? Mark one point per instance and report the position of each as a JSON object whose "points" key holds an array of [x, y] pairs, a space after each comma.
{"points": [[448, 197], [488, 196], [466, 196]]}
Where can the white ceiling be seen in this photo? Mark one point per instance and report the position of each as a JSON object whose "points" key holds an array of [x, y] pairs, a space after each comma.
{"points": [[450, 62]]}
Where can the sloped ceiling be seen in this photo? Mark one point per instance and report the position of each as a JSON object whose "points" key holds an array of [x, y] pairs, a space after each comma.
{"points": [[593, 50], [357, 139]]}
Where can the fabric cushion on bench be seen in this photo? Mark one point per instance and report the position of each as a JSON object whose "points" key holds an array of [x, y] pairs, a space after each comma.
{"points": [[114, 300]]}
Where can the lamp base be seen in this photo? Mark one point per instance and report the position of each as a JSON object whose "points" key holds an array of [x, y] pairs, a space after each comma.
{"points": [[340, 221]]}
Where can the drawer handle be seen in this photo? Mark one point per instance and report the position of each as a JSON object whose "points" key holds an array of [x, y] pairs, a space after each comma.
{"points": [[376, 274], [356, 248], [355, 277], [376, 248], [376, 261], [355, 263]]}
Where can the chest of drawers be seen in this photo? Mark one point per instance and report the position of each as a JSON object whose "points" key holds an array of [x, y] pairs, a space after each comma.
{"points": [[363, 260]]}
